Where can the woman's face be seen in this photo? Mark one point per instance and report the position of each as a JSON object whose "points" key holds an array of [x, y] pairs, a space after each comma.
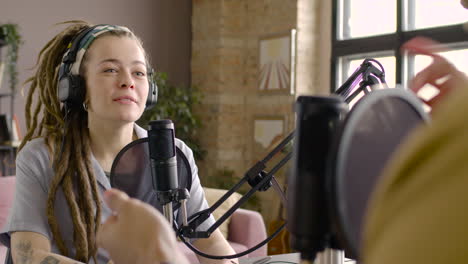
{"points": [[116, 80]]}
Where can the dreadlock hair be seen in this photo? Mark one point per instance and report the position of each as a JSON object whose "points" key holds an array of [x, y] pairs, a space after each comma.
{"points": [[75, 174]]}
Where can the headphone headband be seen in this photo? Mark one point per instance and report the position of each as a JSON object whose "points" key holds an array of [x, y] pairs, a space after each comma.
{"points": [[70, 83], [84, 40]]}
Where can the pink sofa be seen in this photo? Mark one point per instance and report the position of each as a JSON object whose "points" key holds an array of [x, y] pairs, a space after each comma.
{"points": [[7, 190], [246, 228]]}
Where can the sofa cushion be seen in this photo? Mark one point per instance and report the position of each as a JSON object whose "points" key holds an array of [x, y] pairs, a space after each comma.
{"points": [[212, 195], [3, 252], [7, 190]]}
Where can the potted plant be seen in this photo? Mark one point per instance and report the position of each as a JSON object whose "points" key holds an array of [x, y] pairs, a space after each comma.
{"points": [[177, 104], [225, 179], [10, 37]]}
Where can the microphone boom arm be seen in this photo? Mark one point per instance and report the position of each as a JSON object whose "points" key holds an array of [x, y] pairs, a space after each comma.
{"points": [[257, 178], [368, 74]]}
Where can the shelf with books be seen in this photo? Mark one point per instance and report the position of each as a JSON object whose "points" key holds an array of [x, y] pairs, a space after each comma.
{"points": [[9, 134], [10, 41], [9, 142], [8, 145], [7, 160]]}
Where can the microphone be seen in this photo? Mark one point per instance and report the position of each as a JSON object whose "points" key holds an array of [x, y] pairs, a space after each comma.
{"points": [[308, 221], [163, 161]]}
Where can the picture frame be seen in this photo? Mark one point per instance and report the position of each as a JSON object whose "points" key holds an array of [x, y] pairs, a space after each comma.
{"points": [[268, 132], [276, 63]]}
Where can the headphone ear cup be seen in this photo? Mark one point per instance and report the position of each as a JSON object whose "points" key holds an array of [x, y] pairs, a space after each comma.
{"points": [[71, 89], [152, 94], [79, 89], [64, 89]]}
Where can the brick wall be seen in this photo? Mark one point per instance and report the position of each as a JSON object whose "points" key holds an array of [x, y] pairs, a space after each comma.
{"points": [[226, 36]]}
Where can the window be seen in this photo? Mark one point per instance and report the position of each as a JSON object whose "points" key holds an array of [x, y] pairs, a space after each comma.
{"points": [[434, 13], [377, 29]]}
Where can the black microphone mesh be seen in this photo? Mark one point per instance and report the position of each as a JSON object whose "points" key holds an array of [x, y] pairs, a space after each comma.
{"points": [[371, 133], [161, 140], [131, 172]]}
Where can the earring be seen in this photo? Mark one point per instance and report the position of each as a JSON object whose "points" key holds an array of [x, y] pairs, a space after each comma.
{"points": [[85, 106]]}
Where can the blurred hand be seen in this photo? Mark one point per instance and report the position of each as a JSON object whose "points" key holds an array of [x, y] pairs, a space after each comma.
{"points": [[464, 3], [441, 74], [137, 233]]}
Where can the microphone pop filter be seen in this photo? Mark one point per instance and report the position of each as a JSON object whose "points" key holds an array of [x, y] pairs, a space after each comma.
{"points": [[368, 137], [131, 173]]}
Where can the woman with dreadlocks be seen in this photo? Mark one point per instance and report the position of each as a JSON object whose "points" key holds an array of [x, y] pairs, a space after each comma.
{"points": [[101, 76]]}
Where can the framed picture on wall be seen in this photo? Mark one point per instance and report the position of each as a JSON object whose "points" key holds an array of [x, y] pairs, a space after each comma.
{"points": [[276, 60], [268, 132]]}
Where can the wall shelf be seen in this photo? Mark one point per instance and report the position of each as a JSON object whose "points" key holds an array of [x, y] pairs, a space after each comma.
{"points": [[7, 151]]}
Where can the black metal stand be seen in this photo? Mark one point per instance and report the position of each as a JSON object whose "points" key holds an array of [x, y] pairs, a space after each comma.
{"points": [[258, 179]]}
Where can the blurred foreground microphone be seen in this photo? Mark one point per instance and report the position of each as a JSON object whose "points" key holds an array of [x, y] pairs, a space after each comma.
{"points": [[308, 221], [163, 163]]}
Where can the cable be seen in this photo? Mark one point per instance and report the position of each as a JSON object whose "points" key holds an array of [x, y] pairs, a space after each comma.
{"points": [[238, 255], [378, 63], [280, 261]]}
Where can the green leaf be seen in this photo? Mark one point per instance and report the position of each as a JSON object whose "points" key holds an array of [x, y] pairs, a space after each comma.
{"points": [[177, 104], [10, 34]]}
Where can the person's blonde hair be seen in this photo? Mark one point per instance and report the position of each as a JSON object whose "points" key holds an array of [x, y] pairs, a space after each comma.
{"points": [[73, 169]]}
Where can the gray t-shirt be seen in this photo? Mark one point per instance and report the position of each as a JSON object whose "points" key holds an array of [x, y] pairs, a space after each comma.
{"points": [[33, 176]]}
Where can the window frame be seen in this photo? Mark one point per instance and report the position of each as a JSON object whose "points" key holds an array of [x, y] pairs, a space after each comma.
{"points": [[388, 42]]}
